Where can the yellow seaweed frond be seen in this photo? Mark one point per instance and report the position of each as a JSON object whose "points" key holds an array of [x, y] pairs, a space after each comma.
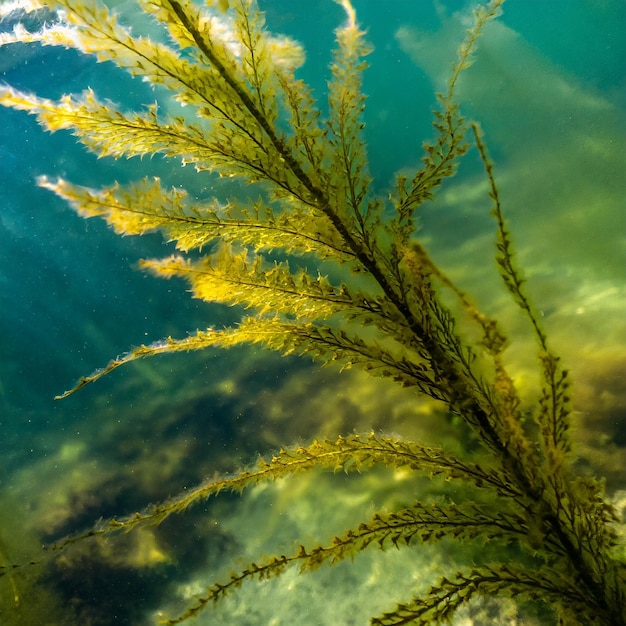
{"points": [[512, 579], [239, 278], [146, 205]]}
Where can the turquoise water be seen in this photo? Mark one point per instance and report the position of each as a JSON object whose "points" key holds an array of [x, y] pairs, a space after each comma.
{"points": [[549, 90]]}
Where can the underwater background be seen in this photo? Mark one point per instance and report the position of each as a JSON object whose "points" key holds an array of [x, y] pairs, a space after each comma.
{"points": [[549, 90]]}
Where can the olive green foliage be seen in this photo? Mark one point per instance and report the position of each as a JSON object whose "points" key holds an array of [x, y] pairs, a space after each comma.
{"points": [[253, 119]]}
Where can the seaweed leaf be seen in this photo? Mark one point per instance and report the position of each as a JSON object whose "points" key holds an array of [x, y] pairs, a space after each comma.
{"points": [[348, 454], [146, 206]]}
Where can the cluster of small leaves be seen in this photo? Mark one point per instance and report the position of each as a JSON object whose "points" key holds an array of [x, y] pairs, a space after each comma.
{"points": [[442, 600], [253, 119]]}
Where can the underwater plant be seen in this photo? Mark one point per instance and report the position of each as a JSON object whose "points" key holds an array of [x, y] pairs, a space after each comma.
{"points": [[384, 305]]}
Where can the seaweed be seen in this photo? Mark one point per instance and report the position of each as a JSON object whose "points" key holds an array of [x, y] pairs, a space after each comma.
{"points": [[388, 308]]}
